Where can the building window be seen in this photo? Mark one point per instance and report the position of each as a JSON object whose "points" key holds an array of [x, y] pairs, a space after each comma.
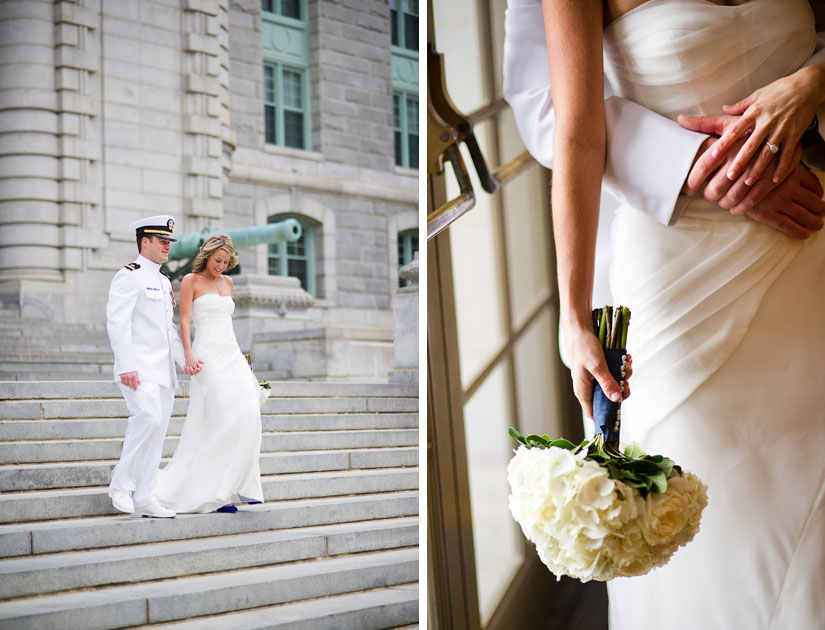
{"points": [[404, 27], [405, 128], [285, 43], [407, 246], [285, 8], [296, 259], [284, 105]]}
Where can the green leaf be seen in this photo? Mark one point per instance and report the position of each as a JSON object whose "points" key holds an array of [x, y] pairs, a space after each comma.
{"points": [[659, 483], [633, 450], [562, 443]]}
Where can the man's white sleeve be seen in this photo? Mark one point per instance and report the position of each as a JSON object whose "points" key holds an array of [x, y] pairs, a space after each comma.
{"points": [[648, 156], [123, 296]]}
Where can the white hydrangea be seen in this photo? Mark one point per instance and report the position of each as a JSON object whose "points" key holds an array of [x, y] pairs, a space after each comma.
{"points": [[591, 527], [263, 394]]}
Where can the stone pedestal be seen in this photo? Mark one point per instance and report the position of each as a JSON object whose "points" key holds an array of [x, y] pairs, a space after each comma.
{"points": [[405, 316], [268, 303]]}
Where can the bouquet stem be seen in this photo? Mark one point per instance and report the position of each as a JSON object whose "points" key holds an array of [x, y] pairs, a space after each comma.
{"points": [[610, 326]]}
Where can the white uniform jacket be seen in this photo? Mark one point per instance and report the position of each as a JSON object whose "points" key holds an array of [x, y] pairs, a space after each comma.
{"points": [[140, 321]]}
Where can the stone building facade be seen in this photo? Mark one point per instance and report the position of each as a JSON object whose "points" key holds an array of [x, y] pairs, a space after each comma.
{"points": [[226, 114]]}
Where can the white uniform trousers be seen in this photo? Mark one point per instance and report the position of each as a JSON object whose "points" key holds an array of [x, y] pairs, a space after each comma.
{"points": [[150, 407]]}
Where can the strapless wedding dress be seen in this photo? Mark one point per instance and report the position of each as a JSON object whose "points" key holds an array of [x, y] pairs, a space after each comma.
{"points": [[216, 461], [727, 338]]}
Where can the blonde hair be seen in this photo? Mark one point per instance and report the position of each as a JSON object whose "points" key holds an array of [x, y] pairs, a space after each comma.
{"points": [[212, 244]]}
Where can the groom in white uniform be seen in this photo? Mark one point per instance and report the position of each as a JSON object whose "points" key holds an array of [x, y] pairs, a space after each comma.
{"points": [[146, 345]]}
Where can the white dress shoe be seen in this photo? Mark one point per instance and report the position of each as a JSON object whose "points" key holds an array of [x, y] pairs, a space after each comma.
{"points": [[122, 501], [154, 510]]}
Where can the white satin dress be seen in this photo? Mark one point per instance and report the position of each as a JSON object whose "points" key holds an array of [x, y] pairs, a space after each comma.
{"points": [[728, 341], [217, 459]]}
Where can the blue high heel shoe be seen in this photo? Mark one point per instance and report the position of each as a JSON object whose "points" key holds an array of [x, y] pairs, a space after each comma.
{"points": [[227, 508]]}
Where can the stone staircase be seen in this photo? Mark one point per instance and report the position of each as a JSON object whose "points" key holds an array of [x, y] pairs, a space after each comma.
{"points": [[334, 546]]}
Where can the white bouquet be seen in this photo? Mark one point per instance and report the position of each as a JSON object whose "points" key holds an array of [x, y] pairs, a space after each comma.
{"points": [[264, 389], [595, 513]]}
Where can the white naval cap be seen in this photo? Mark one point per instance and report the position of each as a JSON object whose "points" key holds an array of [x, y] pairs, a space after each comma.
{"points": [[161, 225]]}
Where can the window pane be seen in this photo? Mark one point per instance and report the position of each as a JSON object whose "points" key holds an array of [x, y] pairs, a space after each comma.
{"points": [[396, 111], [268, 6], [410, 31], [399, 150], [298, 269], [411, 7], [269, 124], [297, 248], [291, 8], [413, 151], [292, 89], [394, 27], [274, 255], [412, 115], [269, 84], [294, 129], [498, 542]]}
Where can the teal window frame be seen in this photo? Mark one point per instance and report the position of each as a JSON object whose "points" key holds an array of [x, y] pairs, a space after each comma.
{"points": [[405, 82], [300, 253], [285, 48], [405, 128], [407, 246], [402, 27]]}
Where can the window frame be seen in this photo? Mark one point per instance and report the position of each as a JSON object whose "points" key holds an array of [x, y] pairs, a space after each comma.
{"points": [[296, 61], [276, 251]]}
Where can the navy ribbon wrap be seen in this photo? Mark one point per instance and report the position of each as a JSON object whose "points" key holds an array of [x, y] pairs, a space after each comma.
{"points": [[606, 413]]}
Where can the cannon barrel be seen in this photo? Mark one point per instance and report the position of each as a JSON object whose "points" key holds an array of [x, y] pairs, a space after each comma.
{"points": [[187, 245]]}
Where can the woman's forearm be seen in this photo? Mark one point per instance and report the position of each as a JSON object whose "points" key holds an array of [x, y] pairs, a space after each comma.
{"points": [[574, 37]]}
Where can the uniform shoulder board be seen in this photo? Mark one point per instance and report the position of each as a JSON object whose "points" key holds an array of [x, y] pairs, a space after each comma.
{"points": [[131, 266], [163, 271]]}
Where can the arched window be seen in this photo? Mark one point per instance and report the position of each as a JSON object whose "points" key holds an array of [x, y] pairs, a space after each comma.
{"points": [[295, 259], [407, 246]]}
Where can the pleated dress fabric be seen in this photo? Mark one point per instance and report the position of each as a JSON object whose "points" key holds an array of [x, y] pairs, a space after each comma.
{"points": [[727, 338]]}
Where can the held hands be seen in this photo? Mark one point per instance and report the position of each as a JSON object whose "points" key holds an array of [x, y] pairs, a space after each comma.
{"points": [[586, 363], [193, 365], [793, 207], [777, 115]]}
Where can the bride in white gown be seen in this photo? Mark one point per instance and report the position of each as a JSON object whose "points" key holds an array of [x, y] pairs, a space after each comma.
{"points": [[727, 336], [216, 461]]}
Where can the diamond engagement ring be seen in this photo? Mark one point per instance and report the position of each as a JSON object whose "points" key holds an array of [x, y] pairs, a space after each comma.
{"points": [[773, 148]]}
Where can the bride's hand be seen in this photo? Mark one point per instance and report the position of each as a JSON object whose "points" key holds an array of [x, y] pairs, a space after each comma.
{"points": [[586, 363], [777, 114], [193, 365]]}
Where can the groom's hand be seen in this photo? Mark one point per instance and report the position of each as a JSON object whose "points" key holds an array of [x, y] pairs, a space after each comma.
{"points": [[794, 207], [130, 379]]}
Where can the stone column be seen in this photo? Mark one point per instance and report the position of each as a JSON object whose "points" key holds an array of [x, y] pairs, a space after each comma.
{"points": [[208, 139], [405, 316], [30, 211]]}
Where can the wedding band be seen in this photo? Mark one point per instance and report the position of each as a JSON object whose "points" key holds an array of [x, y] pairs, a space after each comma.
{"points": [[773, 148]]}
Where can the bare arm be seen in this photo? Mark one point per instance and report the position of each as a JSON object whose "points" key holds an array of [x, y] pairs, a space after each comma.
{"points": [[574, 36], [187, 291]]}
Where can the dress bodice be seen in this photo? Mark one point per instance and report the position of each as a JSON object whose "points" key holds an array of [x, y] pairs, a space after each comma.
{"points": [[212, 316], [693, 56]]}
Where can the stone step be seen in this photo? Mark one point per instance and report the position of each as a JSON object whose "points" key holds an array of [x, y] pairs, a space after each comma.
{"points": [[62, 429], [113, 408], [39, 390], [52, 573], [52, 345], [191, 597], [377, 609], [29, 539], [36, 451], [43, 505], [55, 475], [81, 357]]}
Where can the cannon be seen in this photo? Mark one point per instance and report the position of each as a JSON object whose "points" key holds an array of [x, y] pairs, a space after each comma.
{"points": [[187, 245]]}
